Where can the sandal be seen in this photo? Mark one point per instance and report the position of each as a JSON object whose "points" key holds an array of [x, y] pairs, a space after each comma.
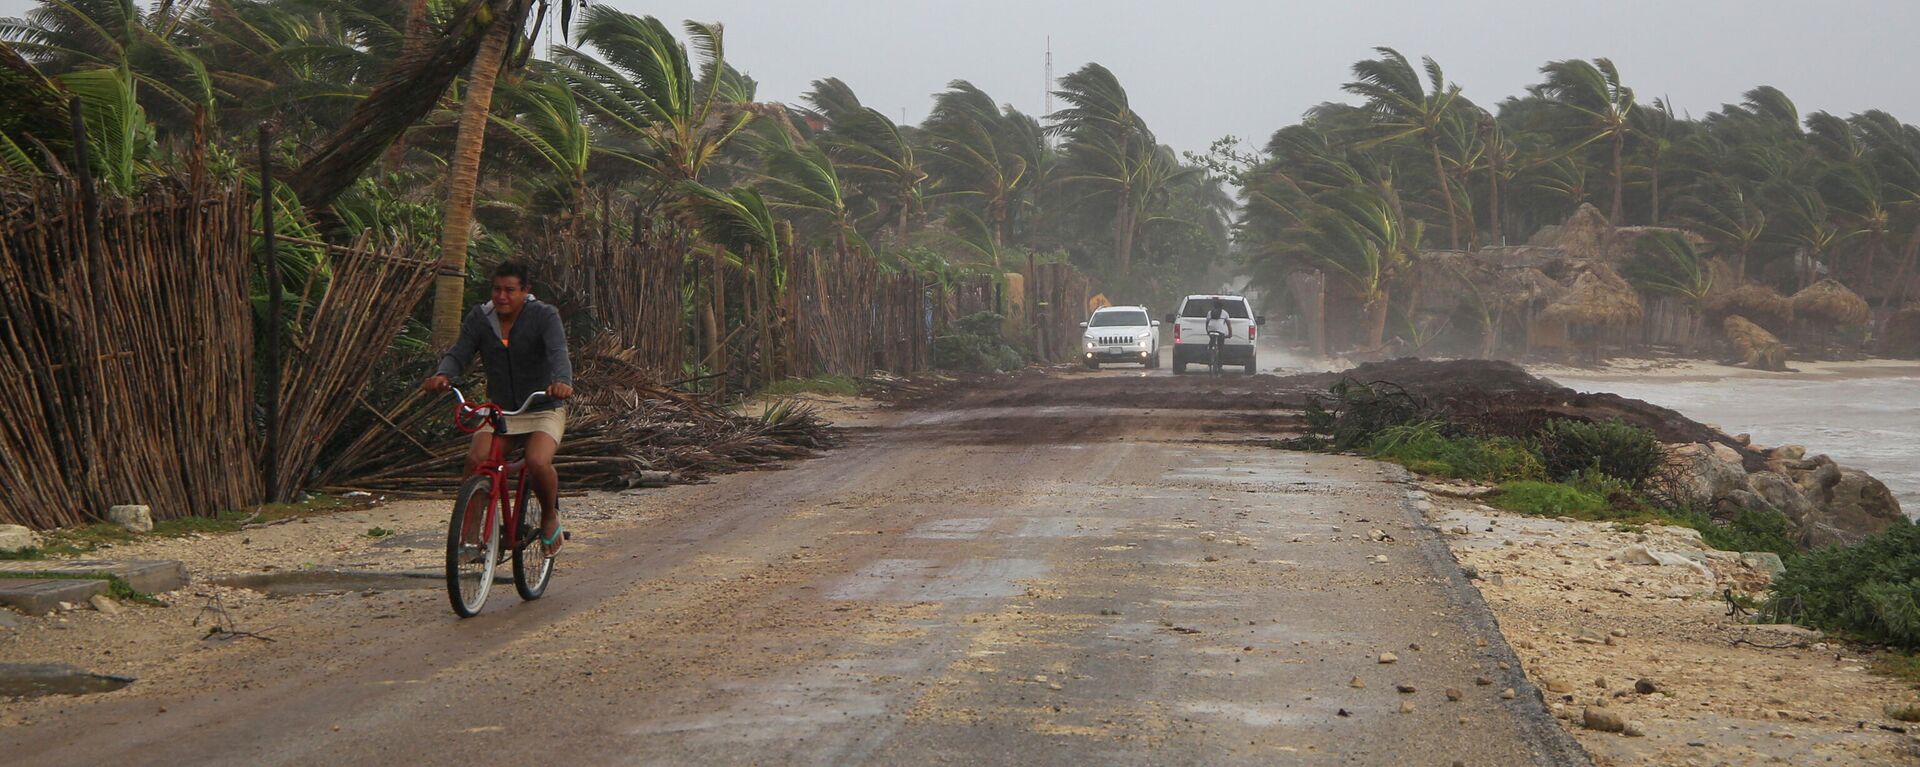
{"points": [[551, 544]]}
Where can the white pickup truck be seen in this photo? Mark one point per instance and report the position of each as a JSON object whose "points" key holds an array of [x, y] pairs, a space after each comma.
{"points": [[1190, 332]]}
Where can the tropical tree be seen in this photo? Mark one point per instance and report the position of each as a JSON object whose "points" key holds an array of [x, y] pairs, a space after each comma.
{"points": [[982, 156], [872, 151], [1405, 107], [1110, 154], [1601, 108]]}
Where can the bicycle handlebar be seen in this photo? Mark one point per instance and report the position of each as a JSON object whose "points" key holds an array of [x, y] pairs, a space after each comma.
{"points": [[523, 406]]}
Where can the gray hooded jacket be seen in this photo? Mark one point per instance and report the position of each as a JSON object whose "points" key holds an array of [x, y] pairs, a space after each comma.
{"points": [[533, 358]]}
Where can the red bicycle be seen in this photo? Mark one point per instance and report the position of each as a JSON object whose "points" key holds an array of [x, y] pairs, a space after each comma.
{"points": [[488, 510]]}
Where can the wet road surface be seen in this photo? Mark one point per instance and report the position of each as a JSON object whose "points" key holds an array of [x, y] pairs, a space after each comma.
{"points": [[1027, 584]]}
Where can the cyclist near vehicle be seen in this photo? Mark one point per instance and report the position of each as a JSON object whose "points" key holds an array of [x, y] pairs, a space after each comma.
{"points": [[523, 346], [1218, 331]]}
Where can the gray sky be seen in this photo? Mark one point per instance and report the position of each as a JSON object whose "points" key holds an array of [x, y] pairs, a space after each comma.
{"points": [[1199, 69]]}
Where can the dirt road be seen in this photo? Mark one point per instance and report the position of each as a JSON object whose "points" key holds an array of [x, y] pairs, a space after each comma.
{"points": [[986, 582]]}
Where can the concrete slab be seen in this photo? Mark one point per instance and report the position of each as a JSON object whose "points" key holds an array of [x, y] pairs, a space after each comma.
{"points": [[145, 576], [39, 596]]}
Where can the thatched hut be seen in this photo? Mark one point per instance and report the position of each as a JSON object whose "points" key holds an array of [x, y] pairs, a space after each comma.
{"points": [[1757, 348], [1901, 336], [1598, 306], [1599, 299], [1586, 235], [1757, 303], [1830, 303]]}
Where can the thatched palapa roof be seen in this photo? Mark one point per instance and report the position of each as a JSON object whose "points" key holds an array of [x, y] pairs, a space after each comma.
{"points": [[1758, 349], [1586, 235], [1832, 303], [1755, 302], [1598, 298]]}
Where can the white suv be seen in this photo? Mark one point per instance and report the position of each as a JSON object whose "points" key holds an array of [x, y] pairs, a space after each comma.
{"points": [[1190, 332], [1122, 334]]}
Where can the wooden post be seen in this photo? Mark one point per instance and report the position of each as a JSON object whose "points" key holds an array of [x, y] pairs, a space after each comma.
{"points": [[275, 317]]}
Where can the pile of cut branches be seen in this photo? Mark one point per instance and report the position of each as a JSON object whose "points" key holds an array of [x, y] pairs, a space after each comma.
{"points": [[623, 430]]}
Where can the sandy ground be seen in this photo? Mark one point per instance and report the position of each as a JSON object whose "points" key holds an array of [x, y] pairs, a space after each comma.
{"points": [[1726, 691]]}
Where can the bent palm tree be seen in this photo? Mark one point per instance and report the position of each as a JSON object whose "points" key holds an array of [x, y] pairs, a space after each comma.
{"points": [[1591, 91], [1405, 108]]}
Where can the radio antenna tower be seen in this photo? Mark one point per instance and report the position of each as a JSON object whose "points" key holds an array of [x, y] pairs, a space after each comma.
{"points": [[1049, 89]]}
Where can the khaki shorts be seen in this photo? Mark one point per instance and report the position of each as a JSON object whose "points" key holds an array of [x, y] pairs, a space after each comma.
{"points": [[551, 422]]}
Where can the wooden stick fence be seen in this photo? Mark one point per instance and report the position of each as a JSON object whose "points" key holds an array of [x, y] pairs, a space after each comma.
{"points": [[126, 353], [364, 305]]}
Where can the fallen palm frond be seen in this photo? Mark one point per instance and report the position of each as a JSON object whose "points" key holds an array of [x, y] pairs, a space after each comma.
{"points": [[621, 428], [1830, 302], [1757, 348]]}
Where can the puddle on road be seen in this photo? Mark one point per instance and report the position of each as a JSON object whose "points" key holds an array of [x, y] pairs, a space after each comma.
{"points": [[34, 680], [336, 582]]}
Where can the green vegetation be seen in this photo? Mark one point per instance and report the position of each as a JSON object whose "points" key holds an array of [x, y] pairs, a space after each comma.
{"points": [[1352, 413], [1870, 591], [1553, 499], [1569, 448], [1422, 447], [827, 384], [378, 532], [1598, 472], [974, 345]]}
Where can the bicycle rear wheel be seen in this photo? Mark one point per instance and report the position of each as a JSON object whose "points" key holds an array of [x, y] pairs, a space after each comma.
{"points": [[472, 552], [532, 568]]}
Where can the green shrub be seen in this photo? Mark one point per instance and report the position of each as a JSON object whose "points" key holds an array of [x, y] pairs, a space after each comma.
{"points": [[1551, 499], [973, 344], [1352, 413], [1615, 448], [1422, 446], [1748, 530], [1870, 591]]}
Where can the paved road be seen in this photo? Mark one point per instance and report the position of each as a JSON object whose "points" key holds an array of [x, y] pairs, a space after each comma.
{"points": [[1030, 584]]}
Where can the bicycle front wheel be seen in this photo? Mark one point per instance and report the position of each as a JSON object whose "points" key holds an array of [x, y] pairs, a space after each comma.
{"points": [[473, 547], [532, 568]]}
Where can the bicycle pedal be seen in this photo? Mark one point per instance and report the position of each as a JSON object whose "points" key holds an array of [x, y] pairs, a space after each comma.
{"points": [[566, 535]]}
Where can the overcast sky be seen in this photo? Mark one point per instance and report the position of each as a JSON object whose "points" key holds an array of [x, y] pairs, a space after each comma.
{"points": [[1199, 69]]}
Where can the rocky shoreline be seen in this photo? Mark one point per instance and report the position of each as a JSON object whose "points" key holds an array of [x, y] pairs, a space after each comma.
{"points": [[1629, 633]]}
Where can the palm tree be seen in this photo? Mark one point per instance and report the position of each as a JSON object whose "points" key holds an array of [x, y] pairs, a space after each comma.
{"points": [[981, 155], [1592, 94], [78, 35], [800, 178], [544, 118], [463, 174], [1665, 262], [1659, 133], [1728, 217], [871, 150], [680, 111], [1109, 153], [1406, 108]]}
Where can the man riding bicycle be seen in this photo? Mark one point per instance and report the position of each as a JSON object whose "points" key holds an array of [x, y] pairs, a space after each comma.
{"points": [[1218, 330], [523, 345]]}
